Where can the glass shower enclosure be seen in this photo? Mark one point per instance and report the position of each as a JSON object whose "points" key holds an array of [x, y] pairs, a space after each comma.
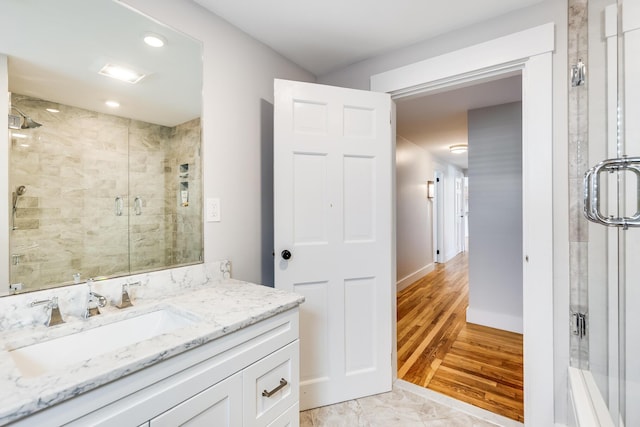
{"points": [[605, 343]]}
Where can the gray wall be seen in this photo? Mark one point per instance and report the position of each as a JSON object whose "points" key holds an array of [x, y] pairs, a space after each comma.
{"points": [[495, 216], [237, 133], [414, 212]]}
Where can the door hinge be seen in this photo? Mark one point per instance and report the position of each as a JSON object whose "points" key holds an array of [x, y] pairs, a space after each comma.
{"points": [[579, 324], [437, 251], [578, 74]]}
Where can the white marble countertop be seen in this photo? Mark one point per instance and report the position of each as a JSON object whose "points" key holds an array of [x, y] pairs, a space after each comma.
{"points": [[219, 309]]}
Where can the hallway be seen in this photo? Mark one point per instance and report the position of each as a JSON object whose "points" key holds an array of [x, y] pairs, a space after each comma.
{"points": [[438, 350]]}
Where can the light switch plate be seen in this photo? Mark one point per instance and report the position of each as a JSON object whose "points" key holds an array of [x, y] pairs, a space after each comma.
{"points": [[213, 209]]}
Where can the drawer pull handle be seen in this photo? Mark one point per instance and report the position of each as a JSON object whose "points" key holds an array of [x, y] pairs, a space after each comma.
{"points": [[283, 383]]}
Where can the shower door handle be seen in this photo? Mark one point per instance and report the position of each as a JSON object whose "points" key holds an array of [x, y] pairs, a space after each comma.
{"points": [[119, 205], [592, 192], [137, 205]]}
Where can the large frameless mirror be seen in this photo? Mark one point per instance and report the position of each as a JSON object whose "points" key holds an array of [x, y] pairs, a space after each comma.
{"points": [[104, 142]]}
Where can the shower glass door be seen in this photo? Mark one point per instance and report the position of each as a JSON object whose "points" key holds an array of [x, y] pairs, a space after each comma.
{"points": [[629, 240], [611, 286]]}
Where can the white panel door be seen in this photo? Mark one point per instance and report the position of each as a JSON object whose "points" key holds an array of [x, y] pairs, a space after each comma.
{"points": [[333, 165], [459, 210]]}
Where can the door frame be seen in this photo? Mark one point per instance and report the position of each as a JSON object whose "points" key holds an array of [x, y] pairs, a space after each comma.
{"points": [[528, 53]]}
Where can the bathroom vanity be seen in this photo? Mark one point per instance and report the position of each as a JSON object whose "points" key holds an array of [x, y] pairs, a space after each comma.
{"points": [[228, 355]]}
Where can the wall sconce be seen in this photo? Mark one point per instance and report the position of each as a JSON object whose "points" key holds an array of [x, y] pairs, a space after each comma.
{"points": [[431, 189]]}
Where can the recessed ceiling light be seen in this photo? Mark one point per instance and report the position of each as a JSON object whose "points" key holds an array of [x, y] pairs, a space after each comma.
{"points": [[112, 104], [121, 73], [154, 40], [52, 110], [458, 148]]}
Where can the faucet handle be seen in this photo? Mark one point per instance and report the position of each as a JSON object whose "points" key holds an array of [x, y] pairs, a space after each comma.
{"points": [[50, 302], [55, 318], [125, 301]]}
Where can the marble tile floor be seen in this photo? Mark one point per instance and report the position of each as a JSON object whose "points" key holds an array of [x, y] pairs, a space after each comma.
{"points": [[407, 405]]}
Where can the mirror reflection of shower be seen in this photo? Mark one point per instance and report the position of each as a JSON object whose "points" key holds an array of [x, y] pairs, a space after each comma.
{"points": [[19, 192]]}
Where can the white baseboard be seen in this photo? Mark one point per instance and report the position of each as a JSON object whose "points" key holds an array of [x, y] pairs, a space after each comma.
{"points": [[495, 320], [416, 275]]}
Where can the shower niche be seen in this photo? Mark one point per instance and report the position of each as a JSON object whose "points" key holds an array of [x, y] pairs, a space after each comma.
{"points": [[183, 194]]}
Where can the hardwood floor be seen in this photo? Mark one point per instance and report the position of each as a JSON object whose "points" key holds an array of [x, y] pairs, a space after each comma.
{"points": [[437, 349]]}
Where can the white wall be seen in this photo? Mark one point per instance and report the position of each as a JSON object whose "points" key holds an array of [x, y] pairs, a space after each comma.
{"points": [[414, 213], [358, 76], [237, 133], [495, 219]]}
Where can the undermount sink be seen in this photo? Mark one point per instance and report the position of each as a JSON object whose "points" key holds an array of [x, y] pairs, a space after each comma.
{"points": [[37, 359]]}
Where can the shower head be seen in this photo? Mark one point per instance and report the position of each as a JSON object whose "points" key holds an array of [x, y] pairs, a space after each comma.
{"points": [[27, 122], [19, 192]]}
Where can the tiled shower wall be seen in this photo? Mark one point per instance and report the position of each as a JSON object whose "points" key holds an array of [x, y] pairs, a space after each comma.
{"points": [[73, 168], [578, 49], [184, 223]]}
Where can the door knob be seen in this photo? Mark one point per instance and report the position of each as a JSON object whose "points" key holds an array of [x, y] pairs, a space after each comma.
{"points": [[286, 255]]}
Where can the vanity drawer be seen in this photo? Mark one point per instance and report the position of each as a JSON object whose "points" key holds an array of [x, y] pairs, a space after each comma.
{"points": [[271, 386], [219, 405]]}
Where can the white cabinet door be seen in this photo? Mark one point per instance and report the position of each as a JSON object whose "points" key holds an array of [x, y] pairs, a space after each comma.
{"points": [[218, 406], [333, 226], [271, 385]]}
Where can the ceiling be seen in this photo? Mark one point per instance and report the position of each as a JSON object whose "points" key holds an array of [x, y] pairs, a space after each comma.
{"points": [[438, 121], [322, 36]]}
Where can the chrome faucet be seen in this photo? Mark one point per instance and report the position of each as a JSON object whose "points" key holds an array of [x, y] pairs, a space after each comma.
{"points": [[94, 302], [55, 318], [126, 301]]}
